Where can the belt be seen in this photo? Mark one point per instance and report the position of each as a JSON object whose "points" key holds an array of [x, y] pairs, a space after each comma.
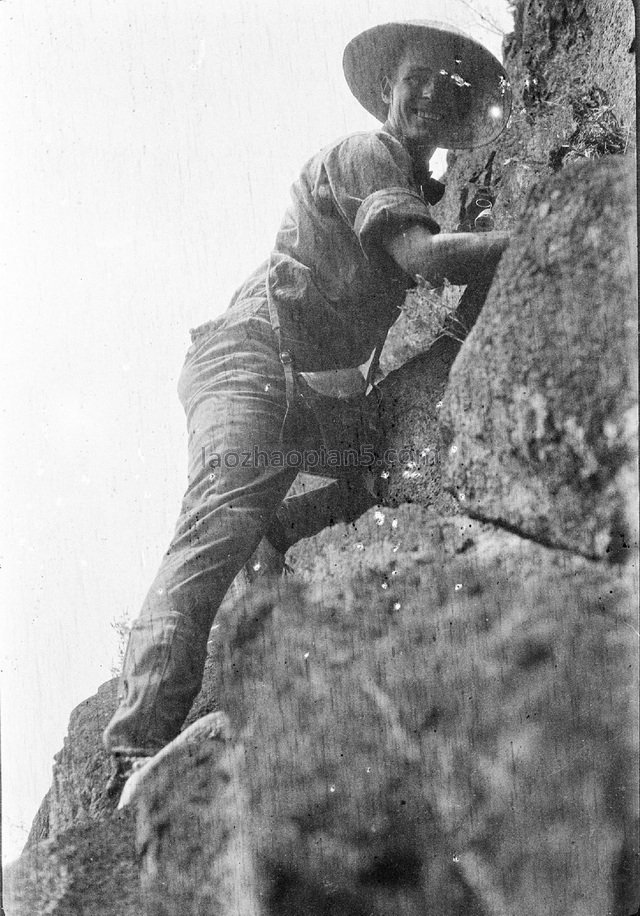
{"points": [[333, 383]]}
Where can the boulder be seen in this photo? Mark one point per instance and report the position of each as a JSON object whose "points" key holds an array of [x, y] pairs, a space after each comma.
{"points": [[80, 769], [427, 720], [572, 68], [411, 451], [433, 715], [89, 870], [439, 712], [538, 418]]}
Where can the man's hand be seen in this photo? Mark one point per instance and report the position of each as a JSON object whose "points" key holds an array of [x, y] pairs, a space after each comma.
{"points": [[460, 257]]}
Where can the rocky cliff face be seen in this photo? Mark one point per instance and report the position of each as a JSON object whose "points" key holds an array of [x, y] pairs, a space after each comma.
{"points": [[572, 70], [437, 713], [436, 716]]}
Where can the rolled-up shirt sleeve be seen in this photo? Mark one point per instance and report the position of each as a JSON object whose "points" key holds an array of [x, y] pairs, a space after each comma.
{"points": [[385, 213], [371, 181]]}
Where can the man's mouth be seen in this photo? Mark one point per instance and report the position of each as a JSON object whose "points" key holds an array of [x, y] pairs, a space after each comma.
{"points": [[428, 116]]}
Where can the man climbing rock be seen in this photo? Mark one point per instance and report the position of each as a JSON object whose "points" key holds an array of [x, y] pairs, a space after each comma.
{"points": [[284, 381]]}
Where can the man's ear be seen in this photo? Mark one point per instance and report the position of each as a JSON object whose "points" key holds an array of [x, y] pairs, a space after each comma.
{"points": [[386, 89]]}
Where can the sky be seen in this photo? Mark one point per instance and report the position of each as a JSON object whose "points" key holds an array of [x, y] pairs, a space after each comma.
{"points": [[147, 154]]}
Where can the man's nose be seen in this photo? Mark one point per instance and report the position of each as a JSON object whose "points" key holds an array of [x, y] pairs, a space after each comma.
{"points": [[426, 90]]}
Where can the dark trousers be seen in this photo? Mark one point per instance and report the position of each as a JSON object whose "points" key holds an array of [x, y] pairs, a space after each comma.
{"points": [[243, 458]]}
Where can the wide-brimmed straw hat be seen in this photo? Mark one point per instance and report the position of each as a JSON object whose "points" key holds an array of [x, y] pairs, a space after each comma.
{"points": [[476, 86]]}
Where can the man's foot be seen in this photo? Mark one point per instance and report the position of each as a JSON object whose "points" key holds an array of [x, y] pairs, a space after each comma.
{"points": [[124, 766], [214, 726]]}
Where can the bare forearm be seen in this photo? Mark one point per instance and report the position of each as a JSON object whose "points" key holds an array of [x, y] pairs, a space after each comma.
{"points": [[460, 256]]}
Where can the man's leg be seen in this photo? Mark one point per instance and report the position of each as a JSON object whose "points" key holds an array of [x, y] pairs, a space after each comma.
{"points": [[352, 427], [306, 514], [233, 392]]}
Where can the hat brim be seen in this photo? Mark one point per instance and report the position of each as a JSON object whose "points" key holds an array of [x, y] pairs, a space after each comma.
{"points": [[478, 78]]}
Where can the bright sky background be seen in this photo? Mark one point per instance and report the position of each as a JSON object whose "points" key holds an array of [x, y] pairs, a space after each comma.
{"points": [[147, 152]]}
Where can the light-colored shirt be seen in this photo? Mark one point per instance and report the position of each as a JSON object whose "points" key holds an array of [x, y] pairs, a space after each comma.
{"points": [[336, 290]]}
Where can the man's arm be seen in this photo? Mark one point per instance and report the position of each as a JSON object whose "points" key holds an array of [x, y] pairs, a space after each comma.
{"points": [[459, 256]]}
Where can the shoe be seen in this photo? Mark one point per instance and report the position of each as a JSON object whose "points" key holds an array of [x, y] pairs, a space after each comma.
{"points": [[124, 766], [213, 727]]}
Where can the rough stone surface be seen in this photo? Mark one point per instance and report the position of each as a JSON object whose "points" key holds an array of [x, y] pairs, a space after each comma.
{"points": [[539, 413], [80, 770], [85, 871], [614, 27], [560, 58], [413, 446], [195, 835], [412, 452], [436, 715], [408, 711]]}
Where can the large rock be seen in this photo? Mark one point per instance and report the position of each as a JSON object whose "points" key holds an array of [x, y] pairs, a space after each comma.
{"points": [[80, 770], [437, 716], [84, 871], [573, 75], [433, 716], [411, 450], [539, 413], [80, 856], [195, 834]]}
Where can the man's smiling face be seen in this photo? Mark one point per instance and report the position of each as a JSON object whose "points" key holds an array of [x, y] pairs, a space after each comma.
{"points": [[415, 110]]}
